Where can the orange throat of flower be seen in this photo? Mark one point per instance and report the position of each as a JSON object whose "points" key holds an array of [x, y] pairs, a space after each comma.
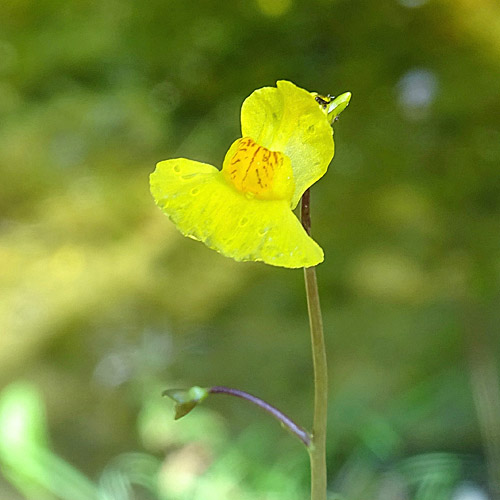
{"points": [[258, 172]]}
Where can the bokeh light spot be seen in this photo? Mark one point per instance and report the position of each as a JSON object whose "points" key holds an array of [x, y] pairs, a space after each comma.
{"points": [[469, 491], [416, 92], [274, 8], [413, 4]]}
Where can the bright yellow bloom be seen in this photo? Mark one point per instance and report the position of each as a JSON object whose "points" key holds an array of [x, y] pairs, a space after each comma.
{"points": [[244, 211]]}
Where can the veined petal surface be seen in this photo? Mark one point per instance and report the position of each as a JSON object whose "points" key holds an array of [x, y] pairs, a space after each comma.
{"points": [[204, 206], [288, 119]]}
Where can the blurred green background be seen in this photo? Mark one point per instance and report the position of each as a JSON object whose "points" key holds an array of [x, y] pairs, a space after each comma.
{"points": [[103, 304]]}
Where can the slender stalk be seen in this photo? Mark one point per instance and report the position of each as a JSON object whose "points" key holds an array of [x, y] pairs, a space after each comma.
{"points": [[317, 449], [285, 421]]}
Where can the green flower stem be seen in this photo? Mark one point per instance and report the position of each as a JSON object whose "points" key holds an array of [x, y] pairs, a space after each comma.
{"points": [[285, 421], [317, 449]]}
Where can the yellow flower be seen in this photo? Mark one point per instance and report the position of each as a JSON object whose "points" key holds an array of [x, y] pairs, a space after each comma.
{"points": [[244, 211]]}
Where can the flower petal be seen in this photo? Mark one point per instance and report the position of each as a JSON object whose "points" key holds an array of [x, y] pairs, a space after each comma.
{"points": [[288, 119], [203, 206]]}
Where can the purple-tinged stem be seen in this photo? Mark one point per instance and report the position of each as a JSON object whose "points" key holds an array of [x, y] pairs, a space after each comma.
{"points": [[285, 421]]}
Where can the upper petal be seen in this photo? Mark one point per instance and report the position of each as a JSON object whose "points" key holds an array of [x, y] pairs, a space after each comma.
{"points": [[288, 119], [204, 206]]}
